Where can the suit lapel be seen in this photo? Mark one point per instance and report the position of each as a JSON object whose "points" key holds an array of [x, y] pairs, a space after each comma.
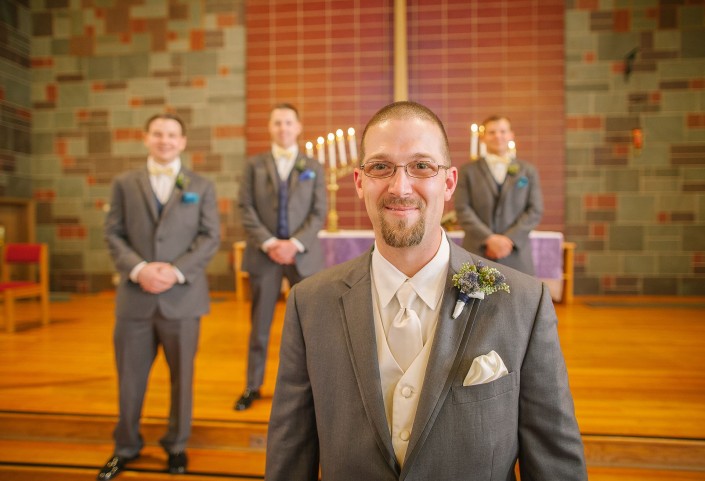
{"points": [[510, 183], [149, 198], [358, 324], [271, 166], [489, 178], [446, 353], [174, 197]]}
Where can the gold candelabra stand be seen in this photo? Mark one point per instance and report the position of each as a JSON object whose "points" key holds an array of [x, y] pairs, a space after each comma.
{"points": [[333, 175]]}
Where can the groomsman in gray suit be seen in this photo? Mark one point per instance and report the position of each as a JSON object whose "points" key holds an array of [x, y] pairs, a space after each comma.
{"points": [[162, 230], [387, 372], [498, 201], [283, 205]]}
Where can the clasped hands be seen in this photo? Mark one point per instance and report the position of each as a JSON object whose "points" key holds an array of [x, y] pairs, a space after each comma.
{"points": [[498, 246], [157, 277], [282, 251]]}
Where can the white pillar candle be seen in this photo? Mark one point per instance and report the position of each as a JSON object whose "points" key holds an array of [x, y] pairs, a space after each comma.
{"points": [[319, 151], [331, 150], [352, 145], [309, 149], [474, 141], [340, 141], [512, 149]]}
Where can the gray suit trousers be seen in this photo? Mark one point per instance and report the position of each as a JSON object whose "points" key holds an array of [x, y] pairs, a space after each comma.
{"points": [[136, 345]]}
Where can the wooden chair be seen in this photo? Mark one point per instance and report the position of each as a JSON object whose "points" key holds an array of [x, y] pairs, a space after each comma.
{"points": [[35, 284]]}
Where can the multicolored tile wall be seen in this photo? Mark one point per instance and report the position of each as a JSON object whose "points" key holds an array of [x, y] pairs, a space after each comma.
{"points": [[15, 103], [100, 69], [635, 145]]}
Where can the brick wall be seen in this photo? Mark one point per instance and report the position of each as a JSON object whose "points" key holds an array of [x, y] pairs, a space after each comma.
{"points": [[637, 214], [334, 60]]}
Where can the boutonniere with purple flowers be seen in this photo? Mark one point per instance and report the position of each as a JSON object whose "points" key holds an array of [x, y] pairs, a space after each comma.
{"points": [[182, 183], [304, 173], [475, 281]]}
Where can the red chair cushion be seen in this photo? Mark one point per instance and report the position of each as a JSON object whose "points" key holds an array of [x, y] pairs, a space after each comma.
{"points": [[22, 252], [15, 284]]}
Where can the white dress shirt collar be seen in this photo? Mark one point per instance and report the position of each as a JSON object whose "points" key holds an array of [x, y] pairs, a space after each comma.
{"points": [[284, 159], [428, 283]]}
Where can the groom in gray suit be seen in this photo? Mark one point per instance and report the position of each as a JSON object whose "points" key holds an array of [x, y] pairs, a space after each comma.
{"points": [[498, 201], [283, 205], [387, 373], [162, 230]]}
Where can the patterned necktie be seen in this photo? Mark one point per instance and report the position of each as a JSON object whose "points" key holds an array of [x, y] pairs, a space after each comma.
{"points": [[283, 212], [404, 336]]}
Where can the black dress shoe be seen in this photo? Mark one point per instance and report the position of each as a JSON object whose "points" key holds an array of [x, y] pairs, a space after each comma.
{"points": [[113, 467], [246, 399], [177, 463]]}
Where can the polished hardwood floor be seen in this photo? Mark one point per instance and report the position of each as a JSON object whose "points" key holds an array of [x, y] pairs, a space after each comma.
{"points": [[636, 367]]}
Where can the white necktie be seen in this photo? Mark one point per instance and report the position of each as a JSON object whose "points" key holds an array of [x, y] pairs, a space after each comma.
{"points": [[404, 336]]}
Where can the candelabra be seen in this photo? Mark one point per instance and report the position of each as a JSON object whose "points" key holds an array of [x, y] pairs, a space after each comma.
{"points": [[337, 168]]}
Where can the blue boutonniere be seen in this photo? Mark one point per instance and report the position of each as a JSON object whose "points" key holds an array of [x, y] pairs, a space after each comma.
{"points": [[522, 182], [476, 281], [304, 173]]}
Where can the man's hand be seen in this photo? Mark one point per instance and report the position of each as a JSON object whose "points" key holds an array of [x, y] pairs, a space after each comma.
{"points": [[157, 277], [498, 246], [283, 252]]}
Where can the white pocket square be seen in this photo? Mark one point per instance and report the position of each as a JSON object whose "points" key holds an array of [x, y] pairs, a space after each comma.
{"points": [[485, 368]]}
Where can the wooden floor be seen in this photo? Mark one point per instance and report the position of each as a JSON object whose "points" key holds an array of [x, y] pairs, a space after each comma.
{"points": [[636, 367]]}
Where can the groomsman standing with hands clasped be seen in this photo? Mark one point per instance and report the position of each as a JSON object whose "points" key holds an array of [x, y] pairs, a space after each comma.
{"points": [[418, 360], [283, 204], [162, 230]]}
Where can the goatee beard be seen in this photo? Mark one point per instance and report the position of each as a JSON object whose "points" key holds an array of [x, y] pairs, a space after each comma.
{"points": [[400, 233]]}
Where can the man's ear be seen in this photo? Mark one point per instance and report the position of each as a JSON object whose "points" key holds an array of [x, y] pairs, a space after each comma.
{"points": [[357, 178]]}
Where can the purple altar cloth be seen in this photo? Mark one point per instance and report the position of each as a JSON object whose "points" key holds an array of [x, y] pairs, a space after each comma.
{"points": [[347, 244]]}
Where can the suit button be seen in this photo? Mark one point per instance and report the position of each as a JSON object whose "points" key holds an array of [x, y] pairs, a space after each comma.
{"points": [[406, 391], [405, 435]]}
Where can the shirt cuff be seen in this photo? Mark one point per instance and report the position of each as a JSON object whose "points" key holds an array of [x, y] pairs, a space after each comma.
{"points": [[134, 273], [267, 244], [299, 246], [179, 275]]}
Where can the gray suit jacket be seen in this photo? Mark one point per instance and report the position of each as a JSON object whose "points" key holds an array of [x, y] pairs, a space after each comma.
{"points": [[328, 405], [187, 235], [483, 209], [259, 204]]}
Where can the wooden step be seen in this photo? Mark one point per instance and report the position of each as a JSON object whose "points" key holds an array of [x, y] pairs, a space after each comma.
{"points": [[92, 456], [96, 428], [33, 473]]}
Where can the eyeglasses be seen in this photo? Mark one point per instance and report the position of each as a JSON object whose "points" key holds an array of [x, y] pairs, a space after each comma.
{"points": [[418, 169]]}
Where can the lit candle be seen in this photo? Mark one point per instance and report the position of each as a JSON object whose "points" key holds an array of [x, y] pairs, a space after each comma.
{"points": [[341, 147], [512, 149], [352, 145], [483, 146], [331, 150], [309, 149], [319, 151], [474, 141]]}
